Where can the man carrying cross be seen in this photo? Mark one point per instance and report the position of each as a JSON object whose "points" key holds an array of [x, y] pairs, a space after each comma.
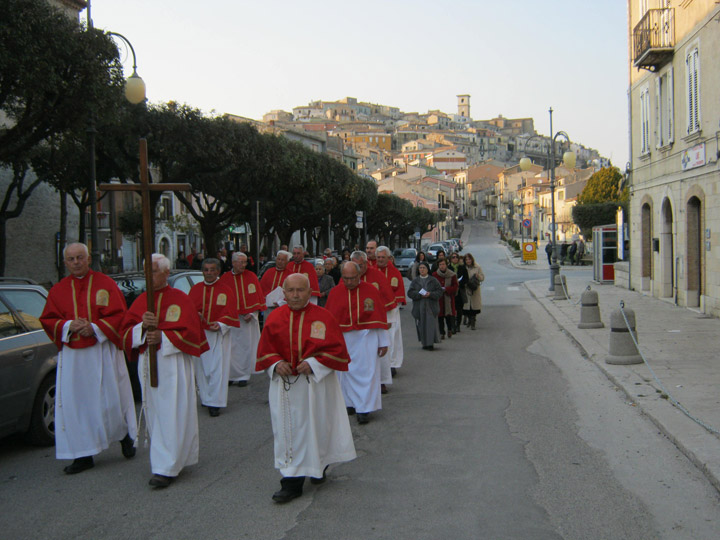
{"points": [[171, 407]]}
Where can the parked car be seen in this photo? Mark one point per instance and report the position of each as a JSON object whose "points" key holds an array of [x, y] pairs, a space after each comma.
{"points": [[456, 244], [404, 260], [432, 251], [28, 360], [132, 284]]}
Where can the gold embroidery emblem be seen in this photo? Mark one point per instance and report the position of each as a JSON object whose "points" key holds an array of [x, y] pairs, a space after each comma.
{"points": [[221, 299], [102, 298], [251, 288], [317, 330], [393, 282], [173, 313], [377, 285], [369, 305]]}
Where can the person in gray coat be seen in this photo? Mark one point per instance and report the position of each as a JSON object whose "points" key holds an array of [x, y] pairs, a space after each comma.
{"points": [[425, 292]]}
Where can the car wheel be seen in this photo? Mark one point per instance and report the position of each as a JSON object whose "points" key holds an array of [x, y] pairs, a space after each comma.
{"points": [[42, 423]]}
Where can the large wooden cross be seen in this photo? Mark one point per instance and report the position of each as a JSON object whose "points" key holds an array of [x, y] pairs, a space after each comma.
{"points": [[144, 188]]}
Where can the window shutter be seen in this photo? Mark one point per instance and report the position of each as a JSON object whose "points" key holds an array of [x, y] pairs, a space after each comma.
{"points": [[670, 92], [658, 113]]}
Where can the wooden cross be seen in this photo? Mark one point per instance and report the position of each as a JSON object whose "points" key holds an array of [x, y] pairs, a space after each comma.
{"points": [[144, 188]]}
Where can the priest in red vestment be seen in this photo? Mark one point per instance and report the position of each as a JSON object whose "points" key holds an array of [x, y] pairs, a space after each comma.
{"points": [[370, 249], [397, 284], [358, 308], [298, 265], [94, 406], [302, 348], [217, 307], [376, 278], [171, 407], [250, 302], [273, 279]]}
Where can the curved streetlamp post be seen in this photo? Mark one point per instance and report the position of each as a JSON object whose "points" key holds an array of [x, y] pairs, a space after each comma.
{"points": [[569, 159], [134, 93]]}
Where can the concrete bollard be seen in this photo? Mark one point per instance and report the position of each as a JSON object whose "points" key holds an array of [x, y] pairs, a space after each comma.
{"points": [[560, 288], [590, 310], [622, 350]]}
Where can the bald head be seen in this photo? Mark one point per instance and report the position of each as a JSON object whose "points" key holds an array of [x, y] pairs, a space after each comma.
{"points": [[297, 291], [351, 274]]}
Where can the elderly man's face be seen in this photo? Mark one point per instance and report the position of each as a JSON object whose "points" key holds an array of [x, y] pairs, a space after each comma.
{"points": [[298, 255], [382, 258], [210, 272], [370, 249], [320, 269], [362, 264], [329, 264], [239, 264], [350, 276], [77, 261], [297, 291], [281, 262], [159, 276]]}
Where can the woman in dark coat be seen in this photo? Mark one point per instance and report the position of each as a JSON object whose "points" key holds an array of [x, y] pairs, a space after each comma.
{"points": [[425, 291], [458, 267], [449, 283]]}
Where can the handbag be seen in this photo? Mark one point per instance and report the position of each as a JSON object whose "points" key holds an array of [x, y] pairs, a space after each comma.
{"points": [[474, 283]]}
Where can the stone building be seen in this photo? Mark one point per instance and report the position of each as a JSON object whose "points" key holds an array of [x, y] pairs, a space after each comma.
{"points": [[674, 111]]}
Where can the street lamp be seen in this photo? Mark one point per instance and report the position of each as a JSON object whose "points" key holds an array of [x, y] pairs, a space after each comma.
{"points": [[517, 203], [134, 93], [569, 161]]}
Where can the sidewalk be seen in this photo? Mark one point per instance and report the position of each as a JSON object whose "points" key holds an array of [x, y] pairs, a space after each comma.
{"points": [[680, 345]]}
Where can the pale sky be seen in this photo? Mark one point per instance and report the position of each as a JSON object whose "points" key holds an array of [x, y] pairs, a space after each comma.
{"points": [[514, 57]]}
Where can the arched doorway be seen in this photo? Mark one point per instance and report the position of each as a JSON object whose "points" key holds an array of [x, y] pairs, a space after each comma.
{"points": [[165, 247], [667, 253], [694, 263], [646, 265]]}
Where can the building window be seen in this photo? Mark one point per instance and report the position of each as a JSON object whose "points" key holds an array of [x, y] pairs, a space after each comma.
{"points": [[692, 65], [645, 120], [664, 108]]}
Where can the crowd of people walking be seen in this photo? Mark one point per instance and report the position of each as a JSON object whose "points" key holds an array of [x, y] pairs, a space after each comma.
{"points": [[331, 345]]}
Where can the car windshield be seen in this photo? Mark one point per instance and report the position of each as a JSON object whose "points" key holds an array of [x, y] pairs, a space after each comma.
{"points": [[408, 253]]}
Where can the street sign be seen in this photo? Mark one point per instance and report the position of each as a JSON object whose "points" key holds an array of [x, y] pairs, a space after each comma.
{"points": [[359, 225], [359, 213], [526, 223], [529, 251], [417, 235]]}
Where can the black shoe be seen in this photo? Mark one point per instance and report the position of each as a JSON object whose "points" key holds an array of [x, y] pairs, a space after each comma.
{"points": [[159, 481], [214, 411], [242, 383], [79, 465], [383, 389], [285, 495], [363, 418], [128, 447], [317, 481], [350, 410], [291, 487], [393, 371]]}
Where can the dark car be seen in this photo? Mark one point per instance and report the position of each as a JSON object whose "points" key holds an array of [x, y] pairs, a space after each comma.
{"points": [[28, 360], [132, 284], [405, 259]]}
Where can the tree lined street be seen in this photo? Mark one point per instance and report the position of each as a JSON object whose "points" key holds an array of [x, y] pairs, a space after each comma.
{"points": [[504, 432]]}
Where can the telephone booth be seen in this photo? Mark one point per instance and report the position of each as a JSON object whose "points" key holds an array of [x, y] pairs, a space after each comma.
{"points": [[604, 252]]}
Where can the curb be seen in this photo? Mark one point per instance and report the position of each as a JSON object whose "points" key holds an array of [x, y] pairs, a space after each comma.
{"points": [[665, 416]]}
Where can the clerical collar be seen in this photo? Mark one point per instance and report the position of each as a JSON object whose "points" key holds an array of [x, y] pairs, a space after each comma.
{"points": [[81, 277], [206, 283], [234, 273]]}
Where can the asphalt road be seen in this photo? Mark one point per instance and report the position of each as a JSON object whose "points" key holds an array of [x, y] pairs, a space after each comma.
{"points": [[506, 432]]}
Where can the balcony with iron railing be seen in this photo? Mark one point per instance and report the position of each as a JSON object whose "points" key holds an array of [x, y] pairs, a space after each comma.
{"points": [[654, 39]]}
